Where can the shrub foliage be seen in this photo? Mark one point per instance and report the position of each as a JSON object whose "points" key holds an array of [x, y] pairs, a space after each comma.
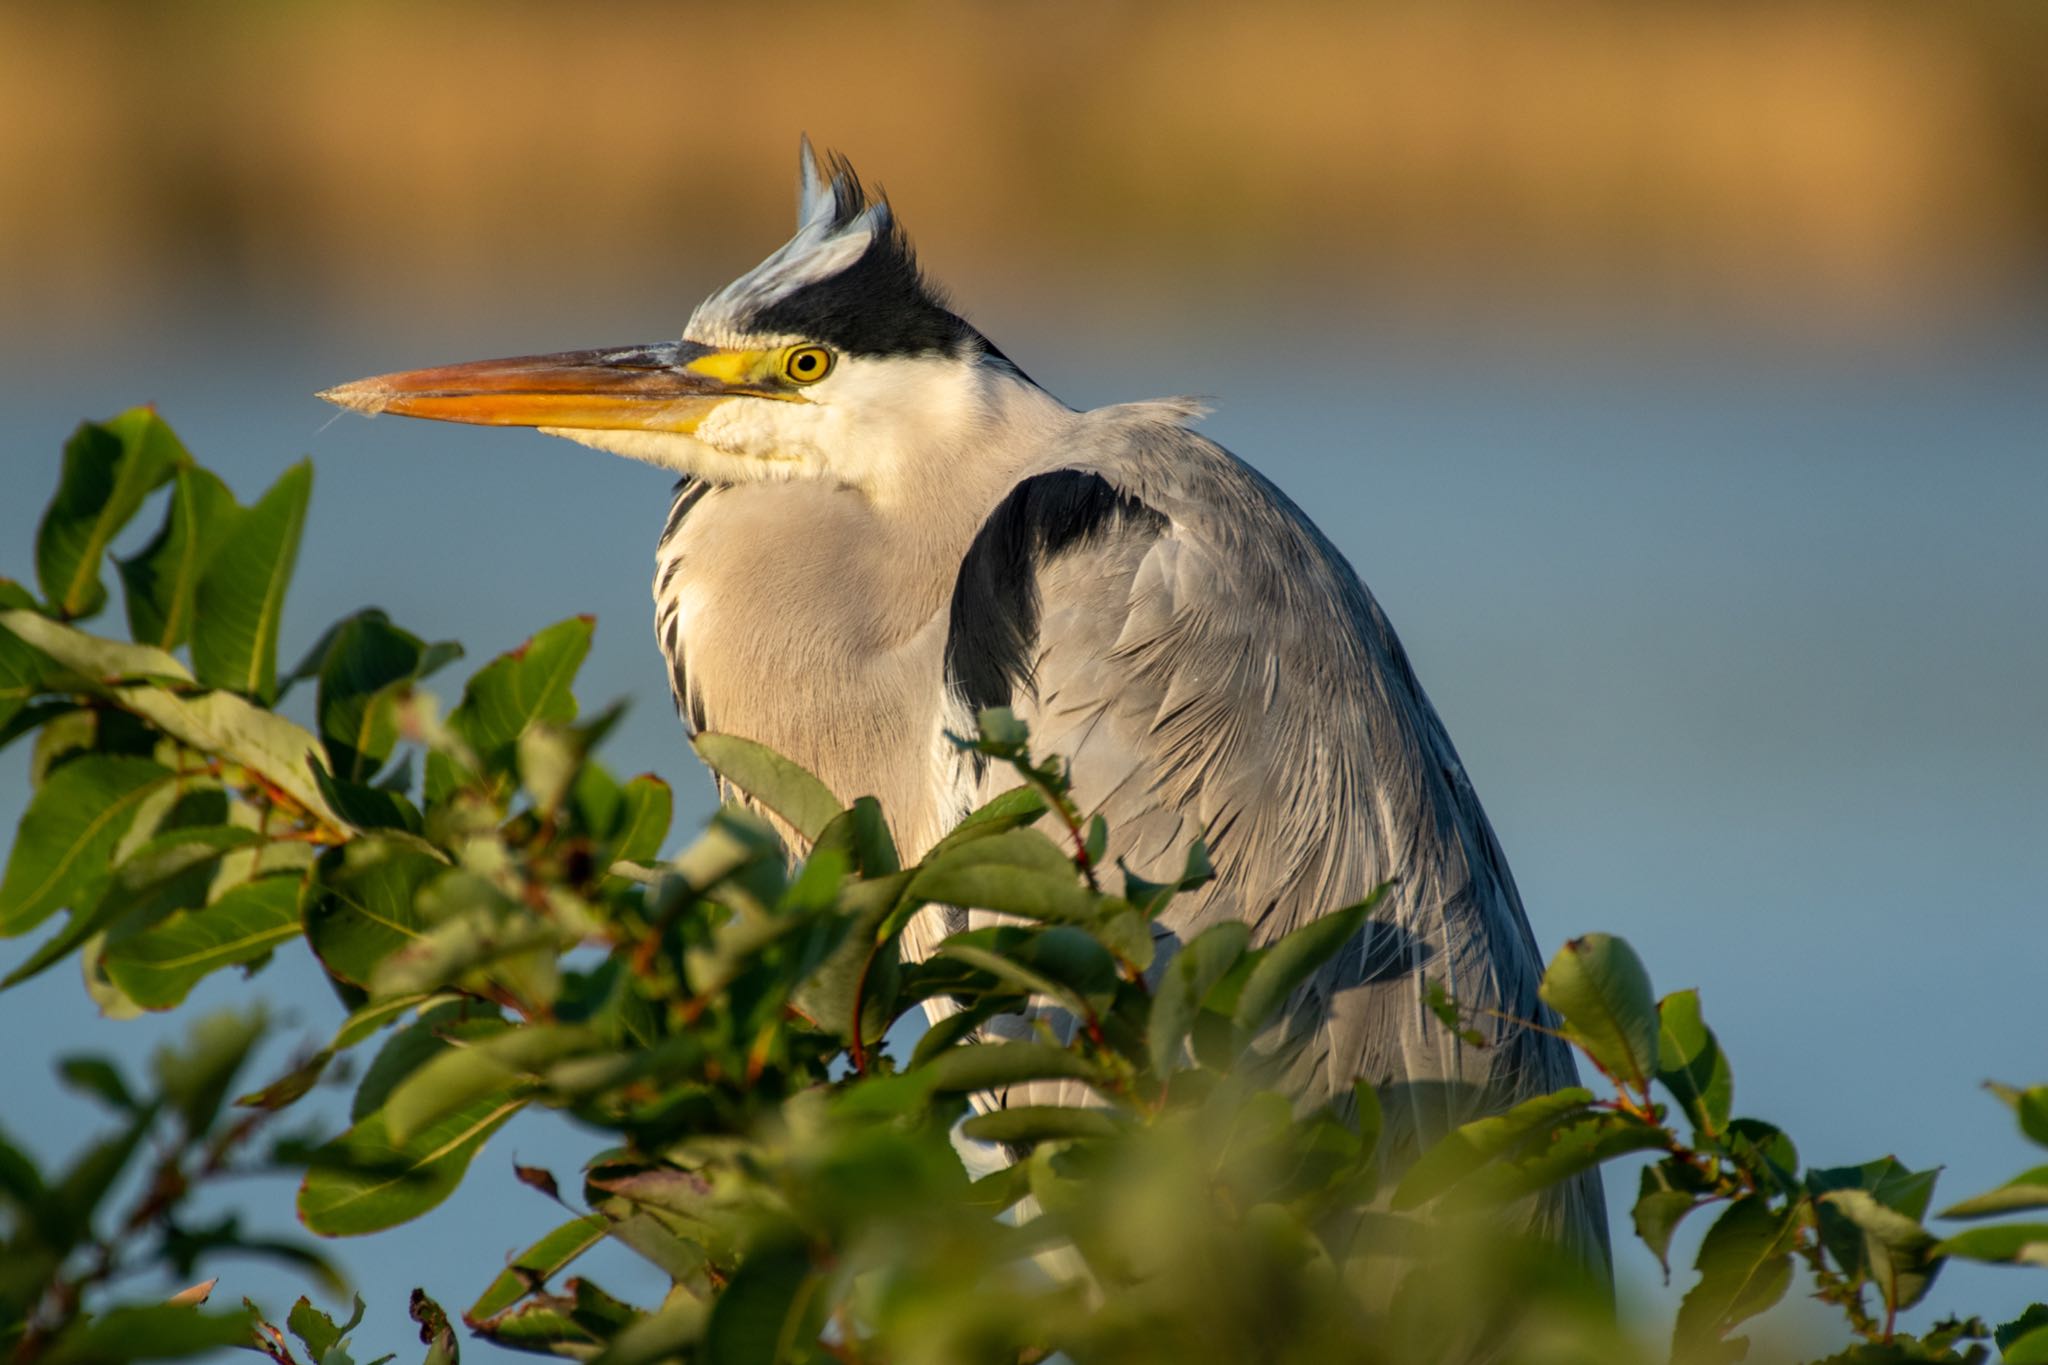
{"points": [[501, 933]]}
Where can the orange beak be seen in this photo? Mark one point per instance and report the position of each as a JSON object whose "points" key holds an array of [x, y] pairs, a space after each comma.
{"points": [[638, 388]]}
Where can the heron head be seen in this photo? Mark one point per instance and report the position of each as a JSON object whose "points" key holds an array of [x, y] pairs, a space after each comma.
{"points": [[834, 358]]}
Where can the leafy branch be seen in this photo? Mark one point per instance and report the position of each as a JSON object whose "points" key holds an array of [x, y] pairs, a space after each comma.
{"points": [[493, 909]]}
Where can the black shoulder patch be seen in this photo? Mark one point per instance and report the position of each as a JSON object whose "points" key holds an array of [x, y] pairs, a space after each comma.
{"points": [[993, 629]]}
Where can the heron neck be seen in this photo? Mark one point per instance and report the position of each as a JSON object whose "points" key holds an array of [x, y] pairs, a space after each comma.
{"points": [[812, 617]]}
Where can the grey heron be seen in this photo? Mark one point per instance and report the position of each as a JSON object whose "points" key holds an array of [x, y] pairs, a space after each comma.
{"points": [[883, 525]]}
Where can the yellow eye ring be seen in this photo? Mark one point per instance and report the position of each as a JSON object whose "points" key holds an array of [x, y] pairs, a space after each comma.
{"points": [[806, 364]]}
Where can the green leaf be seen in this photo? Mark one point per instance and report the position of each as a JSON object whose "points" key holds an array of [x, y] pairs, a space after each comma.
{"points": [[109, 468], [2031, 1349], [158, 966], [291, 1087], [1013, 809], [161, 582], [544, 1326], [1658, 1209], [97, 1077], [537, 1263], [1095, 842], [2004, 1243], [375, 1015], [1766, 1153], [20, 1182], [1185, 983], [309, 663], [22, 672], [1581, 1145], [2029, 1106], [84, 730], [317, 1330], [239, 600], [1030, 1123], [224, 724], [163, 859], [36, 718], [1020, 978], [598, 1312], [369, 808], [1466, 1148], [363, 904], [195, 1078], [550, 758], [166, 1331], [660, 1336], [367, 660], [1000, 729], [1150, 899], [597, 801], [676, 1205], [1367, 1116], [175, 852], [862, 834], [769, 778], [21, 680], [461, 1075], [770, 1311], [2027, 1190], [1291, 960], [1745, 1265], [1215, 1039], [990, 1066], [1598, 984], [481, 941], [957, 1027], [65, 1217], [437, 1029], [1061, 962], [1127, 935], [649, 808], [861, 965], [2009, 1335], [1069, 957], [365, 1182], [1019, 872], [516, 689], [1691, 1064], [1885, 1180], [90, 657], [1897, 1254], [575, 1323], [75, 821]]}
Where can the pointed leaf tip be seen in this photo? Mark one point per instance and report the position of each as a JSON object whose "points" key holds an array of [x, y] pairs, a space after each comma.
{"points": [[785, 788]]}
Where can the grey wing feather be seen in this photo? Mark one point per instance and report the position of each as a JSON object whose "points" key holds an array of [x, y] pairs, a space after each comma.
{"points": [[1210, 666]]}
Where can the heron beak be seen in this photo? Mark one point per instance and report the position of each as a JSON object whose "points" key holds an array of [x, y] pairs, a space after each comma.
{"points": [[670, 386]]}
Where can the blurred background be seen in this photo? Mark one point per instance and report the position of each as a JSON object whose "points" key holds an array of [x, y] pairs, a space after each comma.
{"points": [[1677, 376]]}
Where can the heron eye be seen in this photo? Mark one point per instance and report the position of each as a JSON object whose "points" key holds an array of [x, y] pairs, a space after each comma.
{"points": [[806, 364]]}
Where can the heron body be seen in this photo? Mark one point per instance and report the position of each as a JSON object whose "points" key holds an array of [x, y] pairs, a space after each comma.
{"points": [[883, 526]]}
